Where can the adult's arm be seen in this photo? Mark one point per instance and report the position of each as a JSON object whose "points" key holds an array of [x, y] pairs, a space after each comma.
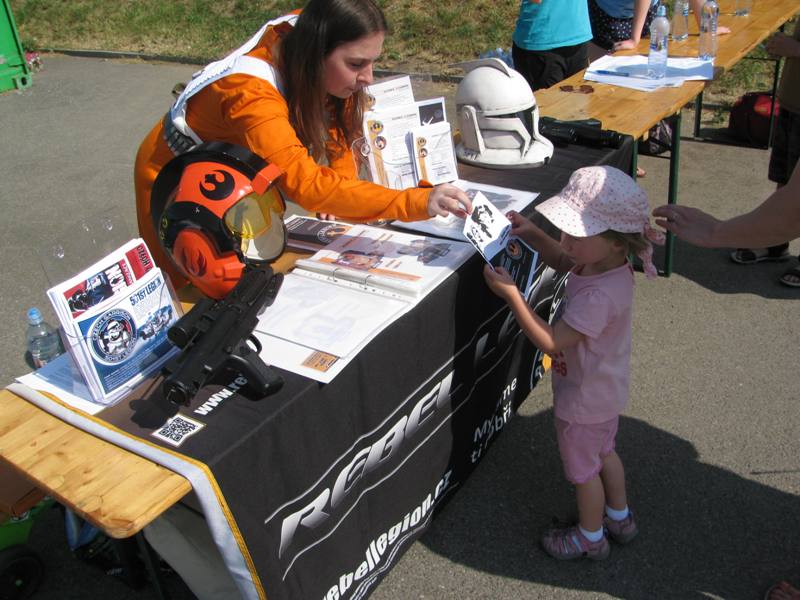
{"points": [[640, 8], [773, 222], [783, 45]]}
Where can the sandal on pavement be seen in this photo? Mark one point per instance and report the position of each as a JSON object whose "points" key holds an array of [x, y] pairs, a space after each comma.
{"points": [[622, 531], [782, 591], [791, 277], [568, 543], [751, 256]]}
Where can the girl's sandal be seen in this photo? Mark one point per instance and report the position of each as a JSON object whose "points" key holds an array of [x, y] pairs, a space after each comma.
{"points": [[782, 591], [792, 279]]}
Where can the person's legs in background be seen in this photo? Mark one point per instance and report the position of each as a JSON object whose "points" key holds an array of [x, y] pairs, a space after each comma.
{"points": [[606, 30], [783, 158], [545, 68]]}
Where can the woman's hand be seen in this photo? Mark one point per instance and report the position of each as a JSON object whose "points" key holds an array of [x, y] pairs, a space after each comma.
{"points": [[625, 45], [446, 198], [689, 224]]}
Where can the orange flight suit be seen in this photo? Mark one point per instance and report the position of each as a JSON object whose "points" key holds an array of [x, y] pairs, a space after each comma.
{"points": [[249, 111]]}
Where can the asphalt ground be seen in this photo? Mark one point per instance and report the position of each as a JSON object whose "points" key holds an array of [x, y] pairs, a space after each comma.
{"points": [[710, 439]]}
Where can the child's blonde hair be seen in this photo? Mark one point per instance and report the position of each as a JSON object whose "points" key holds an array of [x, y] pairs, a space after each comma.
{"points": [[632, 243]]}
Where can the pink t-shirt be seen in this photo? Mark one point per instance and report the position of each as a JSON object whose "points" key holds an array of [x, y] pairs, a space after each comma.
{"points": [[590, 379]]}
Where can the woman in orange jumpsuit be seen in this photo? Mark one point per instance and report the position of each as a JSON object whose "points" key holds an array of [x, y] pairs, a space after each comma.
{"points": [[294, 96]]}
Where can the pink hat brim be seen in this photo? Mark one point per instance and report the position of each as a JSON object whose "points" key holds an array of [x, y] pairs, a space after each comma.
{"points": [[561, 213]]}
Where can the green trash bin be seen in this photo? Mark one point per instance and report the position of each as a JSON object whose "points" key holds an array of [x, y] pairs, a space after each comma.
{"points": [[14, 71]]}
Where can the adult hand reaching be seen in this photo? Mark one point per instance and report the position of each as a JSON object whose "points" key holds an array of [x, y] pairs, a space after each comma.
{"points": [[447, 198], [690, 224]]}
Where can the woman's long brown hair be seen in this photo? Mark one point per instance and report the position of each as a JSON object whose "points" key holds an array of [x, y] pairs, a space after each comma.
{"points": [[322, 26]]}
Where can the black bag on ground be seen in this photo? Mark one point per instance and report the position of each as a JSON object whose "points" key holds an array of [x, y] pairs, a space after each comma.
{"points": [[659, 139]]}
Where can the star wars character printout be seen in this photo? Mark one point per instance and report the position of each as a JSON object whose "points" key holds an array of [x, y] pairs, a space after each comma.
{"points": [[490, 232]]}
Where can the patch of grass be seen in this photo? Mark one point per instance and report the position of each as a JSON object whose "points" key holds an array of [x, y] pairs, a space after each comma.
{"points": [[426, 36]]}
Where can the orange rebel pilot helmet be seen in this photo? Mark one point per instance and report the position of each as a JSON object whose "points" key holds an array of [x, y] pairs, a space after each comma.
{"points": [[216, 209]]}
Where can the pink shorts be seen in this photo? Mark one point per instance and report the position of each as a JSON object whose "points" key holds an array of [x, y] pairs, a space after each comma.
{"points": [[583, 447]]}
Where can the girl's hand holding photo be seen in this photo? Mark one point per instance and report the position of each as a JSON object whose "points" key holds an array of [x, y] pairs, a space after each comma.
{"points": [[500, 282]]}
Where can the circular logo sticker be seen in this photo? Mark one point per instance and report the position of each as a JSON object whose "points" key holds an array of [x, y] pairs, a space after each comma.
{"points": [[113, 336], [330, 232]]}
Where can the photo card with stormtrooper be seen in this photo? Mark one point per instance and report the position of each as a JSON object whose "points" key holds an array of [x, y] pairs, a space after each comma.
{"points": [[489, 230], [486, 228]]}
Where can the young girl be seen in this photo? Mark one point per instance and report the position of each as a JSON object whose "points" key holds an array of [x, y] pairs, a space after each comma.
{"points": [[604, 217]]}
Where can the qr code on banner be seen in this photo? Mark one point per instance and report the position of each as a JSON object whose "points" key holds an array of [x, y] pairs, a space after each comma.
{"points": [[177, 429]]}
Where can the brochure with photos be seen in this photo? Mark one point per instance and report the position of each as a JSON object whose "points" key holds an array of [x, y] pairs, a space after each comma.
{"points": [[311, 234], [114, 316], [334, 302], [393, 153]]}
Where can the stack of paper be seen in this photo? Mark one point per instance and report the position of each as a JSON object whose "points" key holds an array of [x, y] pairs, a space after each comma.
{"points": [[631, 72]]}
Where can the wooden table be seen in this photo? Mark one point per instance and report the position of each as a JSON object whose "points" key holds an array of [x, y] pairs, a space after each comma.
{"points": [[113, 489], [634, 112], [746, 34]]}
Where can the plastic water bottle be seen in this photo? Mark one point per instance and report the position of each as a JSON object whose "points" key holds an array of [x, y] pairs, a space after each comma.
{"points": [[708, 30], [43, 341], [504, 55], [680, 20], [659, 41]]}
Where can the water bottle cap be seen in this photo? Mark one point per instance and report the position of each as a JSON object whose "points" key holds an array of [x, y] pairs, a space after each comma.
{"points": [[661, 11], [34, 316]]}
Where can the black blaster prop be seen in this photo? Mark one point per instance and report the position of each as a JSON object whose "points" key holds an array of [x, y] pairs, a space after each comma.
{"points": [[587, 132], [213, 337]]}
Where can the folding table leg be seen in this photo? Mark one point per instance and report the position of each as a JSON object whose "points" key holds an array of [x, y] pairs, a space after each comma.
{"points": [[151, 565], [672, 194], [698, 109]]}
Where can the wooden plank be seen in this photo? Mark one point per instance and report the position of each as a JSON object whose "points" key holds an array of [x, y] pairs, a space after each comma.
{"points": [[112, 488]]}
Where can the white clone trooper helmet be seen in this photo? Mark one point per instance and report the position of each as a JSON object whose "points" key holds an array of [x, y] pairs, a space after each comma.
{"points": [[498, 117]]}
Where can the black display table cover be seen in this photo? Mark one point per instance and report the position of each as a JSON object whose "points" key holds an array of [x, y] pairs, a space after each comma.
{"points": [[317, 491]]}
